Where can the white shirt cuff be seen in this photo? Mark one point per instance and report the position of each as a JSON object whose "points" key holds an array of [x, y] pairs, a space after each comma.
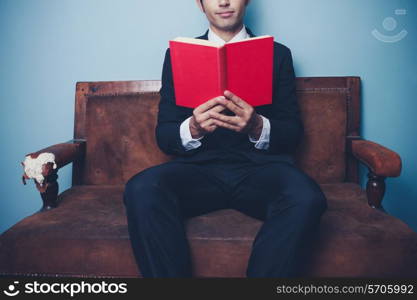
{"points": [[263, 142], [187, 140]]}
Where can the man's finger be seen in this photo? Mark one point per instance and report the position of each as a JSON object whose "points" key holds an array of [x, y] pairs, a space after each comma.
{"points": [[209, 104], [218, 108], [226, 125], [238, 101], [232, 106], [206, 115], [228, 119], [209, 124]]}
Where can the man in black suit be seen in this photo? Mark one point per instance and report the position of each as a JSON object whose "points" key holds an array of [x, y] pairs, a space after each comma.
{"points": [[228, 154]]}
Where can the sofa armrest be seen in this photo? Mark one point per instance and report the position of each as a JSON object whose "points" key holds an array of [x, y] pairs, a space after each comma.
{"points": [[379, 159], [381, 162], [43, 165]]}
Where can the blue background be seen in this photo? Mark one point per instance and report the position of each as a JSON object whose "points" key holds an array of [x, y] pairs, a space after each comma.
{"points": [[46, 46]]}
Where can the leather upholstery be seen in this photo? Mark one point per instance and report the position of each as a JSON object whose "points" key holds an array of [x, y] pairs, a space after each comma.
{"points": [[381, 160], [121, 136], [321, 153], [87, 235]]}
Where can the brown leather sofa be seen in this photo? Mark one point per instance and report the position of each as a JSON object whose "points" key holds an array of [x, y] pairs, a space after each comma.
{"points": [[83, 231]]}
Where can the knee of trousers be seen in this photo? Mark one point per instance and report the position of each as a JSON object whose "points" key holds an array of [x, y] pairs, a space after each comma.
{"points": [[307, 201], [312, 201], [144, 193]]}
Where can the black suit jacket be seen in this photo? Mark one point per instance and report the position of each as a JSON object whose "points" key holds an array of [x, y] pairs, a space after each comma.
{"points": [[225, 144]]}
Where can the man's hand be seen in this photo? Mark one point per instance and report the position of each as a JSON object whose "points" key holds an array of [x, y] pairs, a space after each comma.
{"points": [[201, 122], [245, 119]]}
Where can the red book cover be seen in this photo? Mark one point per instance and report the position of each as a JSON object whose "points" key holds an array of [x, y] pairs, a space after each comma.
{"points": [[203, 70]]}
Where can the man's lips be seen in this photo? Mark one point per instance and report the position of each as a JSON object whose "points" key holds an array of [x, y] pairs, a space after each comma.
{"points": [[225, 14]]}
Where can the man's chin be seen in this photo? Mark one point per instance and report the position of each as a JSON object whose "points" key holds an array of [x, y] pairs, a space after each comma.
{"points": [[228, 27]]}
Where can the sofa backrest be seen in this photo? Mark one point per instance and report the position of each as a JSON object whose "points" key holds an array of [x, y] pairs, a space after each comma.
{"points": [[118, 121], [330, 112]]}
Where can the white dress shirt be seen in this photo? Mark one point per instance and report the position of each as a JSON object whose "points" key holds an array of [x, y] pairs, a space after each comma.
{"points": [[189, 142]]}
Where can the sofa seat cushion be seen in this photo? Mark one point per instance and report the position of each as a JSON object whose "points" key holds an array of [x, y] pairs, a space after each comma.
{"points": [[86, 235]]}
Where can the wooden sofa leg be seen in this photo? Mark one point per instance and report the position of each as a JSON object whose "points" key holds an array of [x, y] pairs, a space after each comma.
{"points": [[375, 190], [49, 193]]}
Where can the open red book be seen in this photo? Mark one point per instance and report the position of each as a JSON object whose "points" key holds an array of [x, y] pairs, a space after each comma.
{"points": [[203, 70]]}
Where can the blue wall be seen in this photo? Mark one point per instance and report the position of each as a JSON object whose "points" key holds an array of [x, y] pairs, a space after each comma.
{"points": [[46, 46]]}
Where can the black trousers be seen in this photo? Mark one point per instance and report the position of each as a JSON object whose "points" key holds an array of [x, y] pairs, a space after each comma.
{"points": [[158, 199]]}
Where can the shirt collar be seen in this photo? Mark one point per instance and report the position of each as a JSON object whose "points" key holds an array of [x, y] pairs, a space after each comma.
{"points": [[241, 35]]}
